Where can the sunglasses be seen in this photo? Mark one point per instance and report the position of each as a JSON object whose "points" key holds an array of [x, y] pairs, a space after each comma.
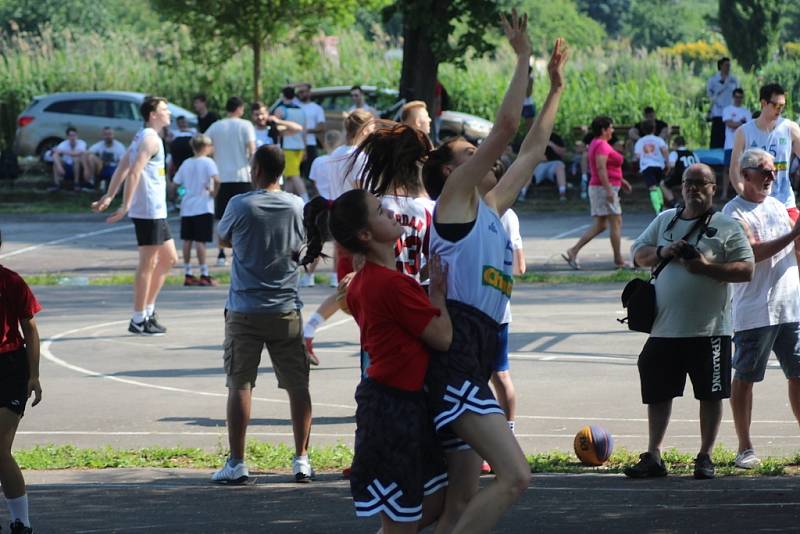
{"points": [[777, 105], [762, 171]]}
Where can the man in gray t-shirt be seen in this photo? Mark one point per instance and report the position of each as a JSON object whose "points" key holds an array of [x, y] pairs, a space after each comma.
{"points": [[264, 228], [692, 329]]}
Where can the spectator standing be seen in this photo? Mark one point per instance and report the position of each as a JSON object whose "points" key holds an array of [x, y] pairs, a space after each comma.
{"points": [[294, 145], [653, 155], [415, 114], [719, 89], [205, 118], [360, 102], [103, 157], [705, 251], [180, 145], [268, 127], [733, 116], [766, 311], [68, 160], [200, 178], [265, 229], [234, 142], [315, 126]]}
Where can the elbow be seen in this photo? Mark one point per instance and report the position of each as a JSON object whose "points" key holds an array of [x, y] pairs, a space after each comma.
{"points": [[747, 273]]}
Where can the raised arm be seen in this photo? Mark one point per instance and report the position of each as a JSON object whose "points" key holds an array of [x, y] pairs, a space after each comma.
{"points": [[458, 200], [734, 172], [531, 152]]}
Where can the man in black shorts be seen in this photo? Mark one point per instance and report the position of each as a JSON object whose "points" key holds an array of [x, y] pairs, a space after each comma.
{"points": [[704, 251]]}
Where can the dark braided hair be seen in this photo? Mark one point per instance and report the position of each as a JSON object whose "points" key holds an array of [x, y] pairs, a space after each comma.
{"points": [[432, 173], [344, 218]]}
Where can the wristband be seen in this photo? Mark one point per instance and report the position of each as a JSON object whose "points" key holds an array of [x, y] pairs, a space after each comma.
{"points": [[658, 252]]}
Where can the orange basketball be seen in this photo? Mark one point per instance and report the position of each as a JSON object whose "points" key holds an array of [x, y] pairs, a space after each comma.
{"points": [[593, 445]]}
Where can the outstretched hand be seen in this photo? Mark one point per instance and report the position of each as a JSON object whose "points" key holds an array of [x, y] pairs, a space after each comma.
{"points": [[555, 67], [117, 216], [516, 31]]}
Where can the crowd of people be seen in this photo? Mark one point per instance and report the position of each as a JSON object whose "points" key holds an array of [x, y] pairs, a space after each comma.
{"points": [[426, 246]]}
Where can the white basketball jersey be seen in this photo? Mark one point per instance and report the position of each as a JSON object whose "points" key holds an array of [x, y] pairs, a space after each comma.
{"points": [[410, 250], [150, 198], [480, 264], [778, 142]]}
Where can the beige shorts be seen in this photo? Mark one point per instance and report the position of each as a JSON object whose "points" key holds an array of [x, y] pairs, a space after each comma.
{"points": [[599, 204], [245, 337]]}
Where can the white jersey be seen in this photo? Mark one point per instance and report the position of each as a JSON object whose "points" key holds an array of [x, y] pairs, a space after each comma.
{"points": [[511, 226], [777, 142], [480, 264], [262, 137], [411, 250], [150, 198]]}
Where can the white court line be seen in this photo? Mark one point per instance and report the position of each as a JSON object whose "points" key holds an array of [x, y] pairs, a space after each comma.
{"points": [[65, 239], [570, 232]]}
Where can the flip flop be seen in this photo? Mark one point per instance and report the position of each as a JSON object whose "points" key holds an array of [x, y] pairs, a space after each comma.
{"points": [[572, 262]]}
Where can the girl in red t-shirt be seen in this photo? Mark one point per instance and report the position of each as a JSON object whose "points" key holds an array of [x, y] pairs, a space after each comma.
{"points": [[19, 378], [399, 468]]}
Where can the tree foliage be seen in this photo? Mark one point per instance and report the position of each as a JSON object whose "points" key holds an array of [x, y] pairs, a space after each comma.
{"points": [[77, 15], [612, 14], [652, 24], [749, 28], [549, 20]]}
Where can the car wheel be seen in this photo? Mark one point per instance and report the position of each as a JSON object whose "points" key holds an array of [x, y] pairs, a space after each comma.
{"points": [[46, 145]]}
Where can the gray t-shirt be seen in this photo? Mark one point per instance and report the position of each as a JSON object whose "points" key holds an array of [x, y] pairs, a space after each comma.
{"points": [[694, 305], [266, 231]]}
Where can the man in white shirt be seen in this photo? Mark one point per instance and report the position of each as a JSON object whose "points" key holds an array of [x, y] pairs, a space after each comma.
{"points": [[315, 126], [766, 310], [720, 92], [733, 116], [102, 158], [360, 101], [234, 142], [415, 114], [68, 160]]}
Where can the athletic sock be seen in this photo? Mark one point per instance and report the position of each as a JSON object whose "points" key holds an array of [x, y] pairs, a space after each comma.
{"points": [[313, 322], [657, 199], [204, 270], [302, 459], [150, 309], [511, 426], [562, 189], [139, 316], [233, 462], [18, 508], [187, 267]]}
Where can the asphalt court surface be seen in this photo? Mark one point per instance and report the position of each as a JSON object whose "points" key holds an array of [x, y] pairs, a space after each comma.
{"points": [[572, 364]]}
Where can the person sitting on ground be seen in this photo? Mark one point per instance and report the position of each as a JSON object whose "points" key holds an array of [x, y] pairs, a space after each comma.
{"points": [[200, 178], [653, 156], [552, 170], [68, 160], [102, 158], [660, 128], [415, 114], [19, 379]]}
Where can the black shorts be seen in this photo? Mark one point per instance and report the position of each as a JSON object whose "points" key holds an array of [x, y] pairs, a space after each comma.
{"points": [[397, 460], [228, 190], [151, 231], [458, 380], [664, 363], [198, 228], [652, 176], [305, 166], [14, 374]]}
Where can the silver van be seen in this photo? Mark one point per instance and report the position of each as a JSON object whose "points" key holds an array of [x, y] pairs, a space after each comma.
{"points": [[43, 124]]}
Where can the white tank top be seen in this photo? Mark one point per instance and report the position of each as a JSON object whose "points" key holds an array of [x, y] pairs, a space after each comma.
{"points": [[150, 198], [410, 250], [480, 264], [778, 142]]}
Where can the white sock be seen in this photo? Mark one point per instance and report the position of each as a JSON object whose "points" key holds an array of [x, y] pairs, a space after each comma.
{"points": [[313, 322], [150, 309], [511, 426], [204, 270], [139, 316], [187, 267], [302, 459], [562, 189], [18, 508]]}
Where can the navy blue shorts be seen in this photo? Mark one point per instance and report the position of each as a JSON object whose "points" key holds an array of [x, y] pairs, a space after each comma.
{"points": [[652, 176], [458, 380], [398, 459], [501, 362]]}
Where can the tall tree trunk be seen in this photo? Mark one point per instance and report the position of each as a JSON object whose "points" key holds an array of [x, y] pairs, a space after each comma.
{"points": [[420, 66], [257, 44]]}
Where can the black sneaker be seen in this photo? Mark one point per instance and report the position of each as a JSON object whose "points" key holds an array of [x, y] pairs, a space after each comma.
{"points": [[18, 528], [154, 326], [703, 467], [646, 468], [145, 328]]}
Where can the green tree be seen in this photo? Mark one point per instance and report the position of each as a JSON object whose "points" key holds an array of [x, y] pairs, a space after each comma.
{"points": [[654, 24], [231, 25], [749, 28], [612, 14], [550, 20], [88, 16]]}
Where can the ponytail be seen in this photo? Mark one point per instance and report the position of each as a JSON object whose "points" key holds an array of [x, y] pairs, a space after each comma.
{"points": [[315, 222], [343, 218]]}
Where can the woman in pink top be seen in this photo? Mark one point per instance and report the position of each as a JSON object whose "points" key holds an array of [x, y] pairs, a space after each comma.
{"points": [[605, 165]]}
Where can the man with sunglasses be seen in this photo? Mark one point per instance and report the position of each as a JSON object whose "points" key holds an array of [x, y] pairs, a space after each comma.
{"points": [[766, 311], [704, 251], [778, 136]]}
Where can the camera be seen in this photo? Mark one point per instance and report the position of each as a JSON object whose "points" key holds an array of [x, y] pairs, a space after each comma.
{"points": [[688, 252]]}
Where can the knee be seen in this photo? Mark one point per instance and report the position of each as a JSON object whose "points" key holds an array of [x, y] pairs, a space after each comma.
{"points": [[516, 481]]}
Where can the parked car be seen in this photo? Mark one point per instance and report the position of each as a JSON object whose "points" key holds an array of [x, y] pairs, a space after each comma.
{"points": [[336, 102], [43, 123]]}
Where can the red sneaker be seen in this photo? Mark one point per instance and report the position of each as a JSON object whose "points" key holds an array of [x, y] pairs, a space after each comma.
{"points": [[312, 357], [191, 280], [486, 468], [206, 280], [346, 473]]}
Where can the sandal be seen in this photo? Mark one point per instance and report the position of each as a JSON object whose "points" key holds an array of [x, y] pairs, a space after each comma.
{"points": [[572, 262]]}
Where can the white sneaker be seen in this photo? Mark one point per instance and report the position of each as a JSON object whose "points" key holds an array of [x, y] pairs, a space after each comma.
{"points": [[747, 459], [303, 472], [334, 280], [307, 280], [231, 475]]}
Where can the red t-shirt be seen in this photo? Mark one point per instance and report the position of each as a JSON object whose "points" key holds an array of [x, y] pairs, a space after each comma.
{"points": [[16, 303], [600, 147], [392, 311]]}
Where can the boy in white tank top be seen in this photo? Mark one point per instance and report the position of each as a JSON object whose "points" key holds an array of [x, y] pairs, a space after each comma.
{"points": [[145, 202]]}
